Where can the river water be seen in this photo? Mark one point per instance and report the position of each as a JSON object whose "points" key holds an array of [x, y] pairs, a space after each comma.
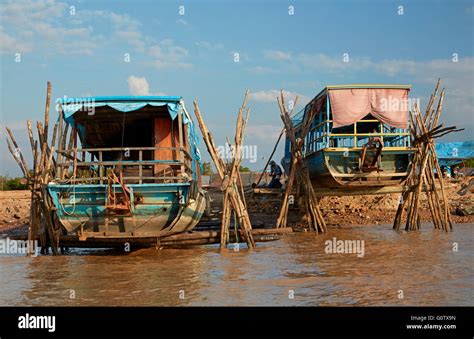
{"points": [[397, 268]]}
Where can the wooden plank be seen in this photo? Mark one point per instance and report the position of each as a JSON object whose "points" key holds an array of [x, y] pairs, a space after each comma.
{"points": [[140, 168], [61, 181], [125, 163], [162, 139], [180, 135], [105, 149], [369, 175]]}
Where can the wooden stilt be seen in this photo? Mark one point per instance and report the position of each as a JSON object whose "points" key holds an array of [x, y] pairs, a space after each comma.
{"points": [[298, 169], [42, 219], [424, 163], [234, 199]]}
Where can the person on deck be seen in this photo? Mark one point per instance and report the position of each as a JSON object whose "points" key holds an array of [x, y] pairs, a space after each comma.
{"points": [[275, 172]]}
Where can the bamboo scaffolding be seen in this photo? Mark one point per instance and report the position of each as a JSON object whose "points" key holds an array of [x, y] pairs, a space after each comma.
{"points": [[424, 130], [234, 200], [298, 170]]}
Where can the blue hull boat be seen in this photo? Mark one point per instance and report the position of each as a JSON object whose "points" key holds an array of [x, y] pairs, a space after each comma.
{"points": [[129, 167], [359, 136]]}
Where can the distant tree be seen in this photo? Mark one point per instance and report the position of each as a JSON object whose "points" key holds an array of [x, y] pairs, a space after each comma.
{"points": [[243, 169], [10, 184], [207, 168], [469, 162]]}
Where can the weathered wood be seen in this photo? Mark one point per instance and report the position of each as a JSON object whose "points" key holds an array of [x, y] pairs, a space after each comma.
{"points": [[233, 198], [17, 154], [42, 223], [181, 140], [298, 170], [423, 164], [182, 239]]}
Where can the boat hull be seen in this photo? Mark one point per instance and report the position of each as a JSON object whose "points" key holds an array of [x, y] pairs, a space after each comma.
{"points": [[340, 167], [155, 209]]}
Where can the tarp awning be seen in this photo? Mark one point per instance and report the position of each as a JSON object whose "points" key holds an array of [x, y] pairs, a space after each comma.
{"points": [[388, 105], [123, 104]]}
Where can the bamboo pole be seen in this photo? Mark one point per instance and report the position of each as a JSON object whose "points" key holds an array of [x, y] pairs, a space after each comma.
{"points": [[425, 129], [298, 169], [233, 200], [42, 214]]}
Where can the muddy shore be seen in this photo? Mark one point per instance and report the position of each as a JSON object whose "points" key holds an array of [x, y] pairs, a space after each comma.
{"points": [[338, 211]]}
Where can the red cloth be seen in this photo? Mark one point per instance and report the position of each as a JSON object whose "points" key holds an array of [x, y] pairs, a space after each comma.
{"points": [[389, 106]]}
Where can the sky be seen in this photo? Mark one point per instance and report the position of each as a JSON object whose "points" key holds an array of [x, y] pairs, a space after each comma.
{"points": [[213, 52]]}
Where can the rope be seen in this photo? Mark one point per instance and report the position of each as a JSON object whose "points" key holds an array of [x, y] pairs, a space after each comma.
{"points": [[73, 194]]}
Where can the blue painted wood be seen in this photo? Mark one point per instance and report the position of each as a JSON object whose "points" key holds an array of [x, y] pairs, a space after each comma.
{"points": [[87, 203]]}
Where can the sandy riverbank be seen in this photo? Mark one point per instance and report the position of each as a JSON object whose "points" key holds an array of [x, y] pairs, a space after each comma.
{"points": [[338, 211]]}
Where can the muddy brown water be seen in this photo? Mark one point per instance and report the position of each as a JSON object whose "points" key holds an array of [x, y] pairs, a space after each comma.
{"points": [[422, 264]]}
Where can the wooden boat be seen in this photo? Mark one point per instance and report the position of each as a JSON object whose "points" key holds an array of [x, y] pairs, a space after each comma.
{"points": [[359, 137], [131, 168]]}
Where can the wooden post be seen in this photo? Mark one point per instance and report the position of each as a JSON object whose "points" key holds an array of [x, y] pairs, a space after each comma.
{"points": [[101, 168], [234, 200], [181, 145], [41, 209], [298, 170], [423, 164]]}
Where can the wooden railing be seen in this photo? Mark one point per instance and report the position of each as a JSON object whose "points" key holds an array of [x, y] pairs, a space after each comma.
{"points": [[322, 128], [72, 168]]}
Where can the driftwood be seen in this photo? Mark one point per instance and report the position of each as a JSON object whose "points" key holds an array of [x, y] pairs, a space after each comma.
{"points": [[299, 172], [234, 200], [424, 163], [176, 240]]}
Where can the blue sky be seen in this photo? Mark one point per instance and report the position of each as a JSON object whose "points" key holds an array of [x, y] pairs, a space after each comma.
{"points": [[82, 50]]}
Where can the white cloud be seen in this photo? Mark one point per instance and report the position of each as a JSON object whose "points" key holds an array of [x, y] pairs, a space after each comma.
{"points": [[264, 132], [168, 55], [261, 70], [48, 27], [332, 64], [140, 86], [133, 38], [209, 46], [273, 94], [182, 22], [40, 25], [8, 44], [276, 55]]}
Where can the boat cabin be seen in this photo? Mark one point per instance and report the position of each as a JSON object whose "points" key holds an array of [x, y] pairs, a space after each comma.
{"points": [[127, 166], [359, 136]]}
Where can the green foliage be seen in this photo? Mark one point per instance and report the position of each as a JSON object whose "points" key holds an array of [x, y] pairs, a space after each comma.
{"points": [[469, 162], [243, 169], [207, 168], [10, 184]]}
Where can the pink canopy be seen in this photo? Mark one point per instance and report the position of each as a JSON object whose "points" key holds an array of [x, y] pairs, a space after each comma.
{"points": [[389, 106]]}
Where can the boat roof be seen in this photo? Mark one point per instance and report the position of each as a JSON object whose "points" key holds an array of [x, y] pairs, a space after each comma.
{"points": [[125, 98], [350, 86], [297, 118]]}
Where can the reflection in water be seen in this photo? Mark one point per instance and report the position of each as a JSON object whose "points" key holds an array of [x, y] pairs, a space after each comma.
{"points": [[422, 264]]}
